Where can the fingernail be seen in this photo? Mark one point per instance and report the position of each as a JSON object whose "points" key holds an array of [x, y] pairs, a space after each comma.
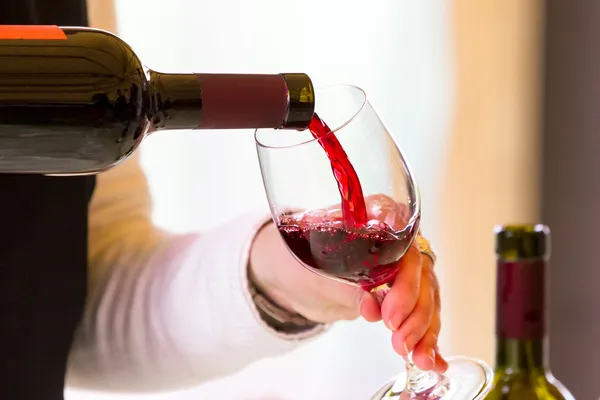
{"points": [[391, 326], [394, 322], [432, 357], [406, 349]]}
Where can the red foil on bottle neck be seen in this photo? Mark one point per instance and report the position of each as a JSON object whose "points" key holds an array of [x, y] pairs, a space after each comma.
{"points": [[520, 302], [243, 101]]}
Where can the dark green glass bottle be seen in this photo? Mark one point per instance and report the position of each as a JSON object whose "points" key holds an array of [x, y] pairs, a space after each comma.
{"points": [[78, 101], [522, 371]]}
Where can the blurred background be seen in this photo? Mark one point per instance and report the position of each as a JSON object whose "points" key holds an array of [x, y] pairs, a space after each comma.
{"points": [[494, 105]]}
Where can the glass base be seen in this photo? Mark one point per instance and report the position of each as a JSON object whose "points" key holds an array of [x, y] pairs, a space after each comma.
{"points": [[465, 379]]}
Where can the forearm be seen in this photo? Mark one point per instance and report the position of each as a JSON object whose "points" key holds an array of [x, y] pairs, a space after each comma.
{"points": [[168, 311]]}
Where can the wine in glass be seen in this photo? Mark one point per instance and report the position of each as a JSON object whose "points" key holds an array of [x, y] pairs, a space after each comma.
{"points": [[348, 208]]}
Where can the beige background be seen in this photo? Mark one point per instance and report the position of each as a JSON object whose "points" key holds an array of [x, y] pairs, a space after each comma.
{"points": [[101, 14], [492, 174]]}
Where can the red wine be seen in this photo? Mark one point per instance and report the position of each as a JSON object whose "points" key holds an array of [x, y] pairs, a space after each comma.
{"points": [[349, 247], [353, 201], [368, 256], [79, 101]]}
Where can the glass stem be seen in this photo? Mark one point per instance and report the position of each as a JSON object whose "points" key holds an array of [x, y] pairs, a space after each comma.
{"points": [[417, 381]]}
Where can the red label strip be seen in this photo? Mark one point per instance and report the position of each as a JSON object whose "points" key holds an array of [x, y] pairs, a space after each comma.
{"points": [[32, 32]]}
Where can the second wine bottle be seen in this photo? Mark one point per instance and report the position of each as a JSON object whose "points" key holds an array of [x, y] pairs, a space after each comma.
{"points": [[77, 101], [522, 371]]}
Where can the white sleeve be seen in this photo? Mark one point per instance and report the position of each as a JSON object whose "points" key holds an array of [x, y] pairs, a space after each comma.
{"points": [[165, 311]]}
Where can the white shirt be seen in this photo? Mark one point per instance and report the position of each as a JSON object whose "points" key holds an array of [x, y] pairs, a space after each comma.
{"points": [[165, 311]]}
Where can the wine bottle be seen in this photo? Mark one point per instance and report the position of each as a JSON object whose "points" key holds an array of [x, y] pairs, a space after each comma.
{"points": [[77, 100], [522, 371]]}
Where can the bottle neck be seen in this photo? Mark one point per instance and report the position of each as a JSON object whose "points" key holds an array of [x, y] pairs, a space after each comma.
{"points": [[176, 101], [515, 354], [521, 314], [231, 101]]}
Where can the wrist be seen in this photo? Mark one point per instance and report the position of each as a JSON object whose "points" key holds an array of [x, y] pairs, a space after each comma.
{"points": [[270, 301], [260, 269], [275, 316]]}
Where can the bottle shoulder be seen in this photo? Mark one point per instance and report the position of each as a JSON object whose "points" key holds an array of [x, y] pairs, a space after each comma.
{"points": [[527, 385], [78, 105], [104, 47]]}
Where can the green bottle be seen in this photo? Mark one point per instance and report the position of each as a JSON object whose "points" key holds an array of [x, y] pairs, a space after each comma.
{"points": [[522, 371]]}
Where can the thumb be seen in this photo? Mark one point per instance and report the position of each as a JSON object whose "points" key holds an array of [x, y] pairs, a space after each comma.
{"points": [[370, 308]]}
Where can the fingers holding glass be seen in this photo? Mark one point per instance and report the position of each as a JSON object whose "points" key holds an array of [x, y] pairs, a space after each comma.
{"points": [[412, 330], [419, 333]]}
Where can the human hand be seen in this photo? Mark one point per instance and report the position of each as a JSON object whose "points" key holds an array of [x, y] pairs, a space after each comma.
{"points": [[411, 309]]}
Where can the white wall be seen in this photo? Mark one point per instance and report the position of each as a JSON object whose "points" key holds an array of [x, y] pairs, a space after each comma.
{"points": [[397, 50]]}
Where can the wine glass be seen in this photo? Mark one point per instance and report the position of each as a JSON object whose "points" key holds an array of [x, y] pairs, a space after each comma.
{"points": [[348, 208]]}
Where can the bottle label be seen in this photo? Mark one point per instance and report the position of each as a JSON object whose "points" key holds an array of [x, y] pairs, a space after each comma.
{"points": [[242, 101], [520, 311], [32, 32]]}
